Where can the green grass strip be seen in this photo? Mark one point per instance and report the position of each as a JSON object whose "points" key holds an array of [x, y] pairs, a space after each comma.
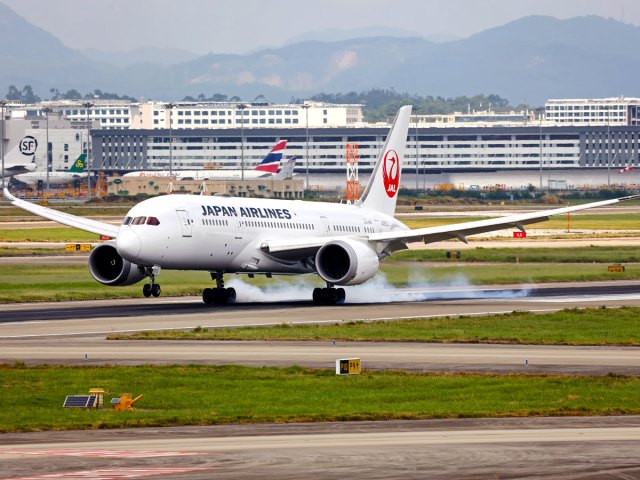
{"points": [[589, 221], [589, 254], [31, 398], [602, 326]]}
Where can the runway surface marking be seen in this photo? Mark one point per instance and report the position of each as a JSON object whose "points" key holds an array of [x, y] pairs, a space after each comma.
{"points": [[68, 452], [363, 439], [117, 473]]}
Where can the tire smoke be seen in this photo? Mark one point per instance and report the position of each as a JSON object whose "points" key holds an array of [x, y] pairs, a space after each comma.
{"points": [[376, 290]]}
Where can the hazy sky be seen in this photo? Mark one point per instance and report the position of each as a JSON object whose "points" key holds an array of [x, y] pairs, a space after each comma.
{"points": [[238, 26]]}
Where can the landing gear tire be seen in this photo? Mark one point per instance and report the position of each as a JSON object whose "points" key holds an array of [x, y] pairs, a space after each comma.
{"points": [[207, 296], [328, 296], [146, 290], [155, 290], [218, 296]]}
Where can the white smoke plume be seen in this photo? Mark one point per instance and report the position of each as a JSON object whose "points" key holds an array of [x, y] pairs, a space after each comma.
{"points": [[376, 290]]}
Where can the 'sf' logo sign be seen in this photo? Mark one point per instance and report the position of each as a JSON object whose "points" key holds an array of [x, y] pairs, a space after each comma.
{"points": [[28, 145], [391, 173]]}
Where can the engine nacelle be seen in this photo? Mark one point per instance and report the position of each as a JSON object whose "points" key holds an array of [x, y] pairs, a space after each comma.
{"points": [[109, 268], [346, 262]]}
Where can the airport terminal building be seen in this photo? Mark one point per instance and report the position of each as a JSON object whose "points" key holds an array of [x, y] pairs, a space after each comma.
{"points": [[437, 149], [125, 136]]}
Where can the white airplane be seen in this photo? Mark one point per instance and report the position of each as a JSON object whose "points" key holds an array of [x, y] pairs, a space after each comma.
{"points": [[21, 158], [267, 167], [343, 244], [56, 179]]}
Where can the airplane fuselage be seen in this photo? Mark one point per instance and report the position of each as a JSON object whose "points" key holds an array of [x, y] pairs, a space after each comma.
{"points": [[55, 178], [226, 234]]}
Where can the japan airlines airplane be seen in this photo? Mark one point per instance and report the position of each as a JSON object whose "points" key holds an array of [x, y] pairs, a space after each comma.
{"points": [[56, 178], [21, 158], [267, 167], [343, 244]]}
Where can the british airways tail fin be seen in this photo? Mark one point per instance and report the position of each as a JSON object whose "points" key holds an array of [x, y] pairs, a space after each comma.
{"points": [[271, 162], [381, 193]]}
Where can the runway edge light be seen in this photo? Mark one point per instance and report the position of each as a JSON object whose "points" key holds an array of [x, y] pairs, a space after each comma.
{"points": [[348, 366]]}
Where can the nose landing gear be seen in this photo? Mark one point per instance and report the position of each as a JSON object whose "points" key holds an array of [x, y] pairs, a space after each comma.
{"points": [[328, 295], [219, 295], [151, 289]]}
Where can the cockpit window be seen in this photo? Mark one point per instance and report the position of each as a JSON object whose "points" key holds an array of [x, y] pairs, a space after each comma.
{"points": [[139, 221], [153, 221], [127, 220]]}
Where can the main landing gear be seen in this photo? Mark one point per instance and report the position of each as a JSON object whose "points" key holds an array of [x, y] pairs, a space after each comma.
{"points": [[328, 295], [151, 289], [218, 295]]}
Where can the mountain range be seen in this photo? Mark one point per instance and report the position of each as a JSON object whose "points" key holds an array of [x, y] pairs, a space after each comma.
{"points": [[527, 60]]}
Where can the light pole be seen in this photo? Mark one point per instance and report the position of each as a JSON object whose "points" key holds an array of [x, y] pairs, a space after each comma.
{"points": [[170, 106], [540, 154], [3, 104], [306, 112], [47, 111], [87, 106], [241, 107], [608, 150]]}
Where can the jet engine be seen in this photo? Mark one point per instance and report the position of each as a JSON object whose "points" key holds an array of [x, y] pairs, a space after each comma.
{"points": [[109, 268], [346, 262]]}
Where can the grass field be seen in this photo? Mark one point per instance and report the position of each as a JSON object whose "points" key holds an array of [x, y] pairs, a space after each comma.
{"points": [[588, 221], [47, 234], [588, 254], [30, 283], [31, 398], [602, 326]]}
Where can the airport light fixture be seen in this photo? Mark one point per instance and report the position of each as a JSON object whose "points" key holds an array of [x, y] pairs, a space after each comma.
{"points": [[608, 148], [47, 111], [241, 107], [3, 104], [306, 112], [540, 112], [87, 106], [170, 107]]}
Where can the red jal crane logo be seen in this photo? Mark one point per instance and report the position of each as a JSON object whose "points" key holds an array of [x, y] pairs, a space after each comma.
{"points": [[391, 173]]}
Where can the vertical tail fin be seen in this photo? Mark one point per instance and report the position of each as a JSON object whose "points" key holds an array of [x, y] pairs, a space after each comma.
{"points": [[381, 193], [79, 165], [286, 172], [271, 162]]}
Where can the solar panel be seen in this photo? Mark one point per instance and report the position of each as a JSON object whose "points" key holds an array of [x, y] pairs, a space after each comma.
{"points": [[92, 401], [78, 401]]}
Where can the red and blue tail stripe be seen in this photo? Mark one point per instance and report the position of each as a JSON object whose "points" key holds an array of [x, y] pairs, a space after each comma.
{"points": [[271, 162]]}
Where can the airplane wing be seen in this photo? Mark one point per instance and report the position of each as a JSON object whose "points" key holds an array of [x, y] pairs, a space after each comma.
{"points": [[74, 221], [397, 240]]}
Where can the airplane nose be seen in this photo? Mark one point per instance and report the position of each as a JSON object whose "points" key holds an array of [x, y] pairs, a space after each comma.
{"points": [[128, 244]]}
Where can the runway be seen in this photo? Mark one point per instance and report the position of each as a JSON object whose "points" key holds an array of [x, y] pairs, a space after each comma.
{"points": [[577, 448], [74, 332]]}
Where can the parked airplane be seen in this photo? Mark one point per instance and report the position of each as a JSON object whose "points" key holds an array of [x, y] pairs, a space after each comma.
{"points": [[341, 243], [56, 178], [21, 158], [267, 167]]}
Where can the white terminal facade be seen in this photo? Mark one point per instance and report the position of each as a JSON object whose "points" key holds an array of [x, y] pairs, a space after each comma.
{"points": [[600, 111], [573, 133]]}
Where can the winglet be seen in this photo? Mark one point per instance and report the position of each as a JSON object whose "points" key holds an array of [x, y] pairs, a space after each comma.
{"points": [[8, 195]]}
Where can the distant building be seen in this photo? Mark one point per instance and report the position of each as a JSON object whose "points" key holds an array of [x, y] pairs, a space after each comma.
{"points": [[599, 111], [195, 115], [475, 119]]}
